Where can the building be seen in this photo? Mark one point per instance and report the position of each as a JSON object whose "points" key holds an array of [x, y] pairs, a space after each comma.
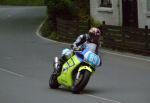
{"points": [[134, 13]]}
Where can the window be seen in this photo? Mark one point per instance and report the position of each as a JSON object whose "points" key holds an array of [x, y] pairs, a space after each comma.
{"points": [[148, 5], [105, 3]]}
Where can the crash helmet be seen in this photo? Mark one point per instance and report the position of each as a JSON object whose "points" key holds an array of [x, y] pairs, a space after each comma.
{"points": [[94, 34]]}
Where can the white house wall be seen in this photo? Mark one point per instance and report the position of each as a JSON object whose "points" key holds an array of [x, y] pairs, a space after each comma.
{"points": [[148, 21], [142, 8], [147, 16], [110, 15], [113, 16]]}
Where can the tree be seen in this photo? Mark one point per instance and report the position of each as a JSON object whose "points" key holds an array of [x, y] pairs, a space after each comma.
{"points": [[67, 9]]}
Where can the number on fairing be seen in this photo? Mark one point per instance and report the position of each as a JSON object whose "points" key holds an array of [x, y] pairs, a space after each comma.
{"points": [[92, 58]]}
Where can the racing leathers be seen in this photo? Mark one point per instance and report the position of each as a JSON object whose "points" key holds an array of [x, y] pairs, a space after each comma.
{"points": [[85, 39]]}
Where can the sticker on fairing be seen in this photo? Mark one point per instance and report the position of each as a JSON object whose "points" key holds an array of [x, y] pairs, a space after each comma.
{"points": [[92, 58]]}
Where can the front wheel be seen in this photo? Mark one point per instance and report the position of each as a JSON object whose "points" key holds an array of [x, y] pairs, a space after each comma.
{"points": [[81, 82], [53, 83]]}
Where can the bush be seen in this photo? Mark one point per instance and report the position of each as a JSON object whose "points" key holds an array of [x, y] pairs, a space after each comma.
{"points": [[62, 8], [46, 28], [95, 23], [68, 10], [22, 2], [83, 10], [47, 31], [54, 36], [65, 9]]}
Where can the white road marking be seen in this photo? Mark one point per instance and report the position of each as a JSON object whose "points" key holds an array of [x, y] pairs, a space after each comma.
{"points": [[12, 73], [101, 98], [38, 33], [127, 56]]}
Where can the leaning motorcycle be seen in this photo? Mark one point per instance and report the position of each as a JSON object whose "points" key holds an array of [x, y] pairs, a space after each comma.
{"points": [[76, 71]]}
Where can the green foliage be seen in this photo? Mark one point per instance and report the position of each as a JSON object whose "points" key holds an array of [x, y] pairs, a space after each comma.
{"points": [[54, 36], [95, 23], [46, 29], [67, 10], [61, 8], [83, 10], [22, 2]]}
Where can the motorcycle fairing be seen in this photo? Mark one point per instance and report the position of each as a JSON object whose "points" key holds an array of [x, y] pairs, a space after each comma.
{"points": [[85, 67], [66, 74], [89, 57]]}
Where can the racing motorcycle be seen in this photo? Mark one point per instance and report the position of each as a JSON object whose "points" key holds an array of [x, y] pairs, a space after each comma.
{"points": [[76, 71]]}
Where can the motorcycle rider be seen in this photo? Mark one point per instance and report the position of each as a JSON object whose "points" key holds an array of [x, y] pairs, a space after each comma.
{"points": [[92, 36]]}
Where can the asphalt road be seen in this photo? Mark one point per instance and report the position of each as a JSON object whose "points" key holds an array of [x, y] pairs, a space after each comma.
{"points": [[26, 63]]}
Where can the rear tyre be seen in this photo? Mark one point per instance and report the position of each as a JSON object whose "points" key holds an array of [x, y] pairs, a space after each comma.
{"points": [[80, 83], [53, 83]]}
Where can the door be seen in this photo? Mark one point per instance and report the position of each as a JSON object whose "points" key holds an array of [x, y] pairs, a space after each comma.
{"points": [[129, 8]]}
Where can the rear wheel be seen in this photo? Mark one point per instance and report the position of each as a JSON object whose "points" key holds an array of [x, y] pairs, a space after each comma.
{"points": [[53, 83], [81, 82]]}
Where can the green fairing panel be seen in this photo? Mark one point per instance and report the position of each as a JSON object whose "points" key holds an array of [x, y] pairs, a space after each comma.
{"points": [[66, 75]]}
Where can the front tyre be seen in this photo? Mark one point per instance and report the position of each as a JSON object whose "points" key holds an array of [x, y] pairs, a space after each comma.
{"points": [[81, 82], [53, 83]]}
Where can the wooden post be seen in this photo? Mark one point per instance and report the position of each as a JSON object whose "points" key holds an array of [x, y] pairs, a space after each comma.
{"points": [[103, 27], [103, 22], [123, 38], [104, 37], [146, 38]]}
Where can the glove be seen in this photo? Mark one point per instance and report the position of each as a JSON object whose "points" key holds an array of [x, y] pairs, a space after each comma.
{"points": [[73, 46]]}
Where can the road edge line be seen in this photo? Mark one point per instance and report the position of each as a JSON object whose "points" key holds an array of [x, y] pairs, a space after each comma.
{"points": [[101, 98], [12, 73], [38, 33]]}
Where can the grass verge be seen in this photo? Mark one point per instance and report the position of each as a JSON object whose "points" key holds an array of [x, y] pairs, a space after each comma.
{"points": [[47, 31], [22, 2]]}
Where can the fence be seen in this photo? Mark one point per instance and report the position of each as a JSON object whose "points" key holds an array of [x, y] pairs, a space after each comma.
{"points": [[116, 37], [70, 29], [127, 38]]}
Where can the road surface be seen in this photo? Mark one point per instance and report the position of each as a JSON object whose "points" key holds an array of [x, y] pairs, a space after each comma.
{"points": [[26, 64]]}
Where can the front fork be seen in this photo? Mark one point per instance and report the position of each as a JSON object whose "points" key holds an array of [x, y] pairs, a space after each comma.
{"points": [[77, 76], [81, 69], [56, 63]]}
